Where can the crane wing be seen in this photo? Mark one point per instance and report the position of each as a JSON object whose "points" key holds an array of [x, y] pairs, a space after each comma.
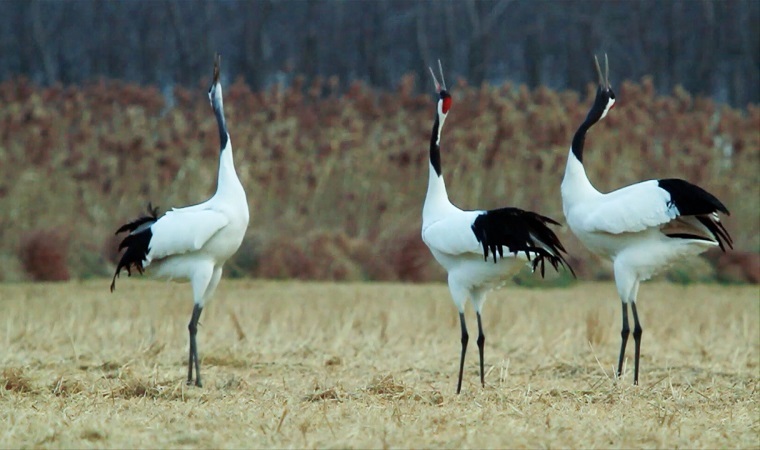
{"points": [[632, 209], [182, 231], [453, 235]]}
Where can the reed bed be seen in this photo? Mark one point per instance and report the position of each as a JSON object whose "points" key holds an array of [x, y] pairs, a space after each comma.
{"points": [[336, 180]]}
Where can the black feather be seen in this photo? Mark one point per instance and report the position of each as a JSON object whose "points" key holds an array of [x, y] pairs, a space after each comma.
{"points": [[603, 96], [137, 244], [435, 149], [718, 231], [688, 236], [520, 231], [690, 199]]}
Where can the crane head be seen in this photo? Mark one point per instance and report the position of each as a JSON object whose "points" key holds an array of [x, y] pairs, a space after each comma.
{"points": [[444, 98], [605, 97]]}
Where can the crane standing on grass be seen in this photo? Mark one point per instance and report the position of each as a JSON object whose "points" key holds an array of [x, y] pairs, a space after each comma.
{"points": [[641, 228], [194, 242], [462, 240]]}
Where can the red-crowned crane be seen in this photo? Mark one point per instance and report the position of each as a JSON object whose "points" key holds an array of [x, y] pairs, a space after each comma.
{"points": [[194, 242], [461, 241], [641, 228]]}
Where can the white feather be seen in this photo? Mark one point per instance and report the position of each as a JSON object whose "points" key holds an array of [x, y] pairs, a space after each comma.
{"points": [[179, 232], [633, 227], [194, 242], [628, 210], [448, 233], [453, 234]]}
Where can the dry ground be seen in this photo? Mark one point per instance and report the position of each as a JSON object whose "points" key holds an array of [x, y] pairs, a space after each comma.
{"points": [[374, 365]]}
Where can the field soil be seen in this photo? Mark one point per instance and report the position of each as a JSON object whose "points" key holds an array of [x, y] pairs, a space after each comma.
{"points": [[296, 364]]}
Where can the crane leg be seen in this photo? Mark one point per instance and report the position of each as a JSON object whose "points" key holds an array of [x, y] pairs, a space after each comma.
{"points": [[481, 343], [193, 360], [637, 331], [624, 335], [465, 339]]}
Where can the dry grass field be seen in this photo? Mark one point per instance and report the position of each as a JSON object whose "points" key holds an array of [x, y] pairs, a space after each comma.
{"points": [[293, 364]]}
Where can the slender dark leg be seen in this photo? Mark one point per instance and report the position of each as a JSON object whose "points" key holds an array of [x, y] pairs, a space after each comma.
{"points": [[623, 334], [481, 342], [465, 339], [193, 328], [637, 330], [192, 355]]}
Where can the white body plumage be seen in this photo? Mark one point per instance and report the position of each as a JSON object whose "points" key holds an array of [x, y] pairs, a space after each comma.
{"points": [[194, 242], [461, 240], [447, 231], [642, 228], [628, 226]]}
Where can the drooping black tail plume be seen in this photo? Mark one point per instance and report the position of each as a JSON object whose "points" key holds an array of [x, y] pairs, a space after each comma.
{"points": [[520, 231], [719, 232], [692, 200], [136, 243]]}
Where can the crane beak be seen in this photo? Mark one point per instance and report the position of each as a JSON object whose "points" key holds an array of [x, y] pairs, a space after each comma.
{"points": [[435, 81], [438, 86], [217, 63], [604, 79], [607, 71]]}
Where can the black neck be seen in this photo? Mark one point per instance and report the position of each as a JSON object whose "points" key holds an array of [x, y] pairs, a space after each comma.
{"points": [[219, 113], [580, 139], [435, 148], [601, 103]]}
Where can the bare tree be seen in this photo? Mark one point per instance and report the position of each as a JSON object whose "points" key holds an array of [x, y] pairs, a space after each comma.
{"points": [[310, 56], [483, 17], [43, 28], [711, 47], [254, 64]]}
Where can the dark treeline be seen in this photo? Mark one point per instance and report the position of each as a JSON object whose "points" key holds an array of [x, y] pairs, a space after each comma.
{"points": [[711, 48]]}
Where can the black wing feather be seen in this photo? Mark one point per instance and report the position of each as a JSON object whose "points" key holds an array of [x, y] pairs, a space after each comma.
{"points": [[718, 230], [692, 200], [520, 231], [137, 244]]}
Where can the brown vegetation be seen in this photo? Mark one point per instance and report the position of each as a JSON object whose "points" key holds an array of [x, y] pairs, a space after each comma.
{"points": [[43, 254], [736, 266], [343, 175], [13, 379], [349, 365]]}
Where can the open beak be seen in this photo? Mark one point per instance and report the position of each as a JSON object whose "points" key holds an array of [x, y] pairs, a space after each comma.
{"points": [[438, 86], [604, 79]]}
